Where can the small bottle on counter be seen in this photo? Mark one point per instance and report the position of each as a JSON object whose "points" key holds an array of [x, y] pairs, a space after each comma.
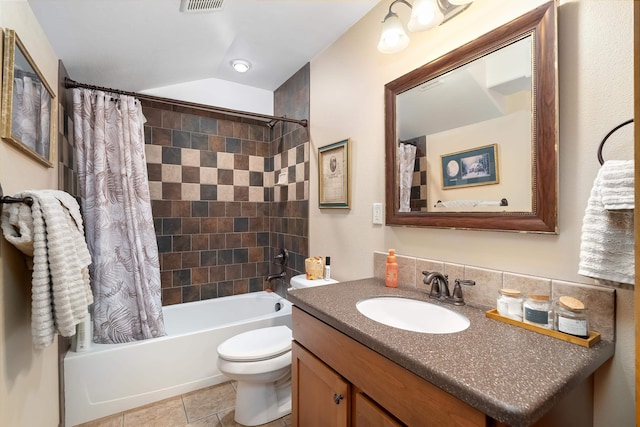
{"points": [[509, 303], [327, 268], [391, 271], [537, 311], [570, 317]]}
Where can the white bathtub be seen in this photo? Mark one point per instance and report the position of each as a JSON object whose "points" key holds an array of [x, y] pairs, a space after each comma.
{"points": [[111, 378]]}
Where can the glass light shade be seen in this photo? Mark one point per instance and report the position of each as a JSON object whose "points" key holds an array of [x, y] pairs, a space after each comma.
{"points": [[459, 2], [393, 38], [240, 65], [425, 14]]}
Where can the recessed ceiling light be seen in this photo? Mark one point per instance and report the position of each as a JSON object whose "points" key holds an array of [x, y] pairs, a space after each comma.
{"points": [[240, 65]]}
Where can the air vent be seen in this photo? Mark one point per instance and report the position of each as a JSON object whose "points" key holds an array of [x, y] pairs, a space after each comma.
{"points": [[194, 6]]}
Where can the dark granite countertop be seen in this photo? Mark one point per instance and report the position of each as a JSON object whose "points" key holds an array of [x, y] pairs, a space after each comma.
{"points": [[509, 373]]}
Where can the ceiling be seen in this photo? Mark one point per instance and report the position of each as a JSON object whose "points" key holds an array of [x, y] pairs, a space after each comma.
{"points": [[143, 44]]}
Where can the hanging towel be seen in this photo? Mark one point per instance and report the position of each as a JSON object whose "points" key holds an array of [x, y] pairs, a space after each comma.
{"points": [[607, 246], [51, 232]]}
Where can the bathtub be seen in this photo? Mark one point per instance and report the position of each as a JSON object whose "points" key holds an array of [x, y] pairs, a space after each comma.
{"points": [[110, 378]]}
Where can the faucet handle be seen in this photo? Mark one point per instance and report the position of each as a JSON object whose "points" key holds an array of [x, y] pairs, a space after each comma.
{"points": [[457, 297]]}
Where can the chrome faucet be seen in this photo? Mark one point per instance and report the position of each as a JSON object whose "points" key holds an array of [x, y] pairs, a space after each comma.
{"points": [[440, 287]]}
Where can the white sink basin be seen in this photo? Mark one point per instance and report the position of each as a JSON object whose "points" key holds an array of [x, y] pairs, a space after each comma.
{"points": [[413, 315]]}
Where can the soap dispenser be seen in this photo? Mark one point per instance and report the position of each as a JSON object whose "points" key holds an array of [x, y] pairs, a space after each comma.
{"points": [[391, 272]]}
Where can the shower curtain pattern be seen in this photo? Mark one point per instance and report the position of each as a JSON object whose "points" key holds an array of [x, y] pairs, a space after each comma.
{"points": [[112, 175], [30, 116]]}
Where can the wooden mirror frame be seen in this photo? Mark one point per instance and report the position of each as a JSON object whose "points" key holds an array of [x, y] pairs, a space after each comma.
{"points": [[541, 24]]}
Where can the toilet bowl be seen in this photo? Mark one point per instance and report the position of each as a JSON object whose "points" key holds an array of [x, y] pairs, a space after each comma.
{"points": [[260, 361]]}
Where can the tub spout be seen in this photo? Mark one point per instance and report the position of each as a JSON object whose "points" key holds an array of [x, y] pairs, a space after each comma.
{"points": [[281, 275]]}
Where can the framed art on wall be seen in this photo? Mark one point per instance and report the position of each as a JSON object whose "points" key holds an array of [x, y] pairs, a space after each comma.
{"points": [[27, 102], [334, 175], [477, 166]]}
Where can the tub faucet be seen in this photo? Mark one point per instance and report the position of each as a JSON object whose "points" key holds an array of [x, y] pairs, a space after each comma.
{"points": [[440, 287], [280, 275]]}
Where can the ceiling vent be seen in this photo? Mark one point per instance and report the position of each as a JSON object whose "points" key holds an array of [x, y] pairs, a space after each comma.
{"points": [[193, 6]]}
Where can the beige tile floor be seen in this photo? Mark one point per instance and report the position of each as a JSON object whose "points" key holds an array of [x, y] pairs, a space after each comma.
{"points": [[207, 407]]}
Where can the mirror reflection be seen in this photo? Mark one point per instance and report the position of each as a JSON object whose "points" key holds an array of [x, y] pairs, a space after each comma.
{"points": [[465, 136]]}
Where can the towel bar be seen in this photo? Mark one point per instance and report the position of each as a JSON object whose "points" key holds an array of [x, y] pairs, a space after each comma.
{"points": [[600, 158], [8, 199]]}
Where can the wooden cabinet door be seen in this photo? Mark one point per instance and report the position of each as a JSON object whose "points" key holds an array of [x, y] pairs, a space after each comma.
{"points": [[320, 396], [366, 413]]}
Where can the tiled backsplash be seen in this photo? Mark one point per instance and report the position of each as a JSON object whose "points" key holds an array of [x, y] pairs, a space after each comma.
{"points": [[600, 301]]}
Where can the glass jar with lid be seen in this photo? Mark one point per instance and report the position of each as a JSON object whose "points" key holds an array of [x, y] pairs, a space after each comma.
{"points": [[570, 317], [509, 303], [537, 311]]}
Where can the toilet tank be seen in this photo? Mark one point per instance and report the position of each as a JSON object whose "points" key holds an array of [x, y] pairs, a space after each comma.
{"points": [[300, 282]]}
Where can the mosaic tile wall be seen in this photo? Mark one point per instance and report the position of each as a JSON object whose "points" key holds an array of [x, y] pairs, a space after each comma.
{"points": [[219, 216]]}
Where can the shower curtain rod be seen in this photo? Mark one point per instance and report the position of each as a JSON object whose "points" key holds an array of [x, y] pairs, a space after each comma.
{"points": [[272, 120]]}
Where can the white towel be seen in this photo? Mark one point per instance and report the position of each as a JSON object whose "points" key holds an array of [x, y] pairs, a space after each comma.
{"points": [[618, 184], [607, 246], [51, 232]]}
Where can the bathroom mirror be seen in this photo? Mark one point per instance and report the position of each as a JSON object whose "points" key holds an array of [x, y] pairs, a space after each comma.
{"points": [[471, 137]]}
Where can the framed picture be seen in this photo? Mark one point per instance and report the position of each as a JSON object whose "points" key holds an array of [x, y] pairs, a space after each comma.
{"points": [[27, 102], [478, 166], [334, 176]]}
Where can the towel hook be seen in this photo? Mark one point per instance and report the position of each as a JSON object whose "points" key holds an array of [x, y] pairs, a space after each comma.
{"points": [[600, 158], [8, 199]]}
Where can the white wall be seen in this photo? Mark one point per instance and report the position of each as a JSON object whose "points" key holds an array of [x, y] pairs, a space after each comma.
{"points": [[28, 378], [596, 93], [219, 93]]}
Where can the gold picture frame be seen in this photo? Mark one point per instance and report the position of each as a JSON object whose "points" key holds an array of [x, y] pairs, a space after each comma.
{"points": [[334, 175], [27, 102]]}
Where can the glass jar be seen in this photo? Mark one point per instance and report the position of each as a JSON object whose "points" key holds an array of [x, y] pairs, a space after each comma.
{"points": [[570, 317], [509, 303], [537, 311]]}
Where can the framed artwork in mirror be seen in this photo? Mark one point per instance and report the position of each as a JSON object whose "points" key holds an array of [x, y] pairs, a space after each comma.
{"points": [[27, 102], [478, 166], [334, 175]]}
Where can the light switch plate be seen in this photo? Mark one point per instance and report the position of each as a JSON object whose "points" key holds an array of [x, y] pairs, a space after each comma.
{"points": [[377, 213]]}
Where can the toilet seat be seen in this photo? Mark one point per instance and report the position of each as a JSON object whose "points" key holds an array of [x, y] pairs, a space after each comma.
{"points": [[257, 344]]}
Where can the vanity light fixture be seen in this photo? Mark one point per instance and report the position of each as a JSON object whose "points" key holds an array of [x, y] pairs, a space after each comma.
{"points": [[425, 14], [240, 65]]}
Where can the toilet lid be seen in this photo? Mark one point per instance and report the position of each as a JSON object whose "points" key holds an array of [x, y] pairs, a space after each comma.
{"points": [[258, 344]]}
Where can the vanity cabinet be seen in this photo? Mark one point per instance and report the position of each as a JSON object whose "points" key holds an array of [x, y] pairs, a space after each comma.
{"points": [[375, 391], [323, 398], [339, 382]]}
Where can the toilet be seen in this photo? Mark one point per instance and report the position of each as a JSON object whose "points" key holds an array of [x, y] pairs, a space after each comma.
{"points": [[260, 361]]}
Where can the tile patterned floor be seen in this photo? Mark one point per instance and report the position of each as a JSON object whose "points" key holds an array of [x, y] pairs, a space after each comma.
{"points": [[207, 407]]}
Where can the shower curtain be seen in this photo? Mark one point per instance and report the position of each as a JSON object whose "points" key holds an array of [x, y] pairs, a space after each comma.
{"points": [[112, 175], [406, 158]]}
